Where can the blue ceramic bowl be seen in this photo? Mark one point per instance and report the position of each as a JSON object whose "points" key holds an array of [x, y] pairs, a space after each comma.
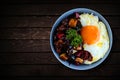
{"points": [[65, 15]]}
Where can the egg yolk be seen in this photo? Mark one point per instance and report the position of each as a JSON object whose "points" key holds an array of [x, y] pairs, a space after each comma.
{"points": [[90, 34]]}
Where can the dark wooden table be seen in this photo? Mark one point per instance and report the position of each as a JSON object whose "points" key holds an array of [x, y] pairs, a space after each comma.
{"points": [[24, 40]]}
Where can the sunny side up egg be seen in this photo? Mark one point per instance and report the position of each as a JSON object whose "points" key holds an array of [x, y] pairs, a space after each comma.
{"points": [[95, 36]]}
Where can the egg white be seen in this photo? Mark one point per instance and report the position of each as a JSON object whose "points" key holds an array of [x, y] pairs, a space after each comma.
{"points": [[99, 48]]}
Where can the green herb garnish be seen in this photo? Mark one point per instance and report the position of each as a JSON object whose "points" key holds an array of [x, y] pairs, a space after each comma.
{"points": [[75, 39], [71, 33]]}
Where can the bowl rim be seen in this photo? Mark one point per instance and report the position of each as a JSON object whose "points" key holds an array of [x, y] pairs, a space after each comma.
{"points": [[82, 10]]}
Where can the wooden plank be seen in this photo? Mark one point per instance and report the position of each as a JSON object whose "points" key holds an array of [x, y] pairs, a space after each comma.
{"points": [[23, 42], [58, 2], [57, 70], [25, 33], [60, 78], [43, 21], [27, 21], [33, 46], [28, 58], [37, 33], [45, 58], [55, 9], [24, 46]]}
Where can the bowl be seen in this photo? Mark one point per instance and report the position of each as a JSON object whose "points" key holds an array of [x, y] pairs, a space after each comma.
{"points": [[83, 66]]}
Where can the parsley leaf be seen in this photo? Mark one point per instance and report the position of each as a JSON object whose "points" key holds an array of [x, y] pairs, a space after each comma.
{"points": [[75, 39]]}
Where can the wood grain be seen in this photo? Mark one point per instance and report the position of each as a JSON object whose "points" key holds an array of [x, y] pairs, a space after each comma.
{"points": [[57, 70], [24, 46], [25, 52], [55, 9], [60, 77], [25, 40], [33, 46], [42, 21], [58, 2], [37, 33], [25, 33], [27, 21], [42, 58]]}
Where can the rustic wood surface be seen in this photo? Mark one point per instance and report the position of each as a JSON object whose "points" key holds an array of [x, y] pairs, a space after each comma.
{"points": [[25, 52]]}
